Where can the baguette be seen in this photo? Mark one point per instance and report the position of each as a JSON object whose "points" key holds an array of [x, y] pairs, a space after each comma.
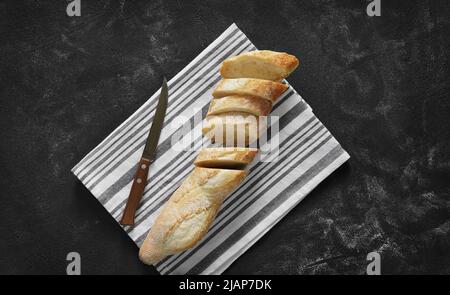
{"points": [[261, 64], [253, 87], [238, 103], [188, 214], [228, 157]]}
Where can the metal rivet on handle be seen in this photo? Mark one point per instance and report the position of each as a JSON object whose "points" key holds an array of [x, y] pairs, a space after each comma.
{"points": [[143, 166], [138, 180]]}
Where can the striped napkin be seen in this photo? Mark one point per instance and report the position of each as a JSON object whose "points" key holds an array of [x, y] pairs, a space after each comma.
{"points": [[307, 154]]}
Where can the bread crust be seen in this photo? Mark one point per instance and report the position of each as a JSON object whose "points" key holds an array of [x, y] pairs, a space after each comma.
{"points": [[188, 214], [250, 87], [225, 157], [261, 64], [240, 103]]}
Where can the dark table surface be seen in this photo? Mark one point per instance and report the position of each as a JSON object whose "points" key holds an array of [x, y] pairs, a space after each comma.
{"points": [[380, 84]]}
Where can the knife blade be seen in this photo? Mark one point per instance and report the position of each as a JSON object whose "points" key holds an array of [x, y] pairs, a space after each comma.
{"points": [[148, 156]]}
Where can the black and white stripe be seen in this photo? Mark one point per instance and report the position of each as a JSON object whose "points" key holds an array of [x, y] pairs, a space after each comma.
{"points": [[307, 154]]}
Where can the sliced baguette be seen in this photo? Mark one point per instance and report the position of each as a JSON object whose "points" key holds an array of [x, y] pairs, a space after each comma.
{"points": [[261, 64], [186, 217], [253, 87], [238, 103], [225, 157]]}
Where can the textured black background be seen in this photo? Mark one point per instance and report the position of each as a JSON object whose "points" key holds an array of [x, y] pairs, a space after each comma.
{"points": [[379, 84]]}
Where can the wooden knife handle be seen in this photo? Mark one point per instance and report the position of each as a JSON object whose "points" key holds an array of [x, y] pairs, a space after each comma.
{"points": [[136, 192]]}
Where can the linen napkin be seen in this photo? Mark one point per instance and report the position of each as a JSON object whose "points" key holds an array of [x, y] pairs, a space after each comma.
{"points": [[307, 153]]}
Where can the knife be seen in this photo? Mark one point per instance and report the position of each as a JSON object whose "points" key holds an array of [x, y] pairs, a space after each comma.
{"points": [[148, 155]]}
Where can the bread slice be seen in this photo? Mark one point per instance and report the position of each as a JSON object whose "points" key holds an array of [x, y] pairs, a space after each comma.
{"points": [[253, 87], [186, 217], [261, 64], [239, 103], [225, 157], [233, 128]]}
